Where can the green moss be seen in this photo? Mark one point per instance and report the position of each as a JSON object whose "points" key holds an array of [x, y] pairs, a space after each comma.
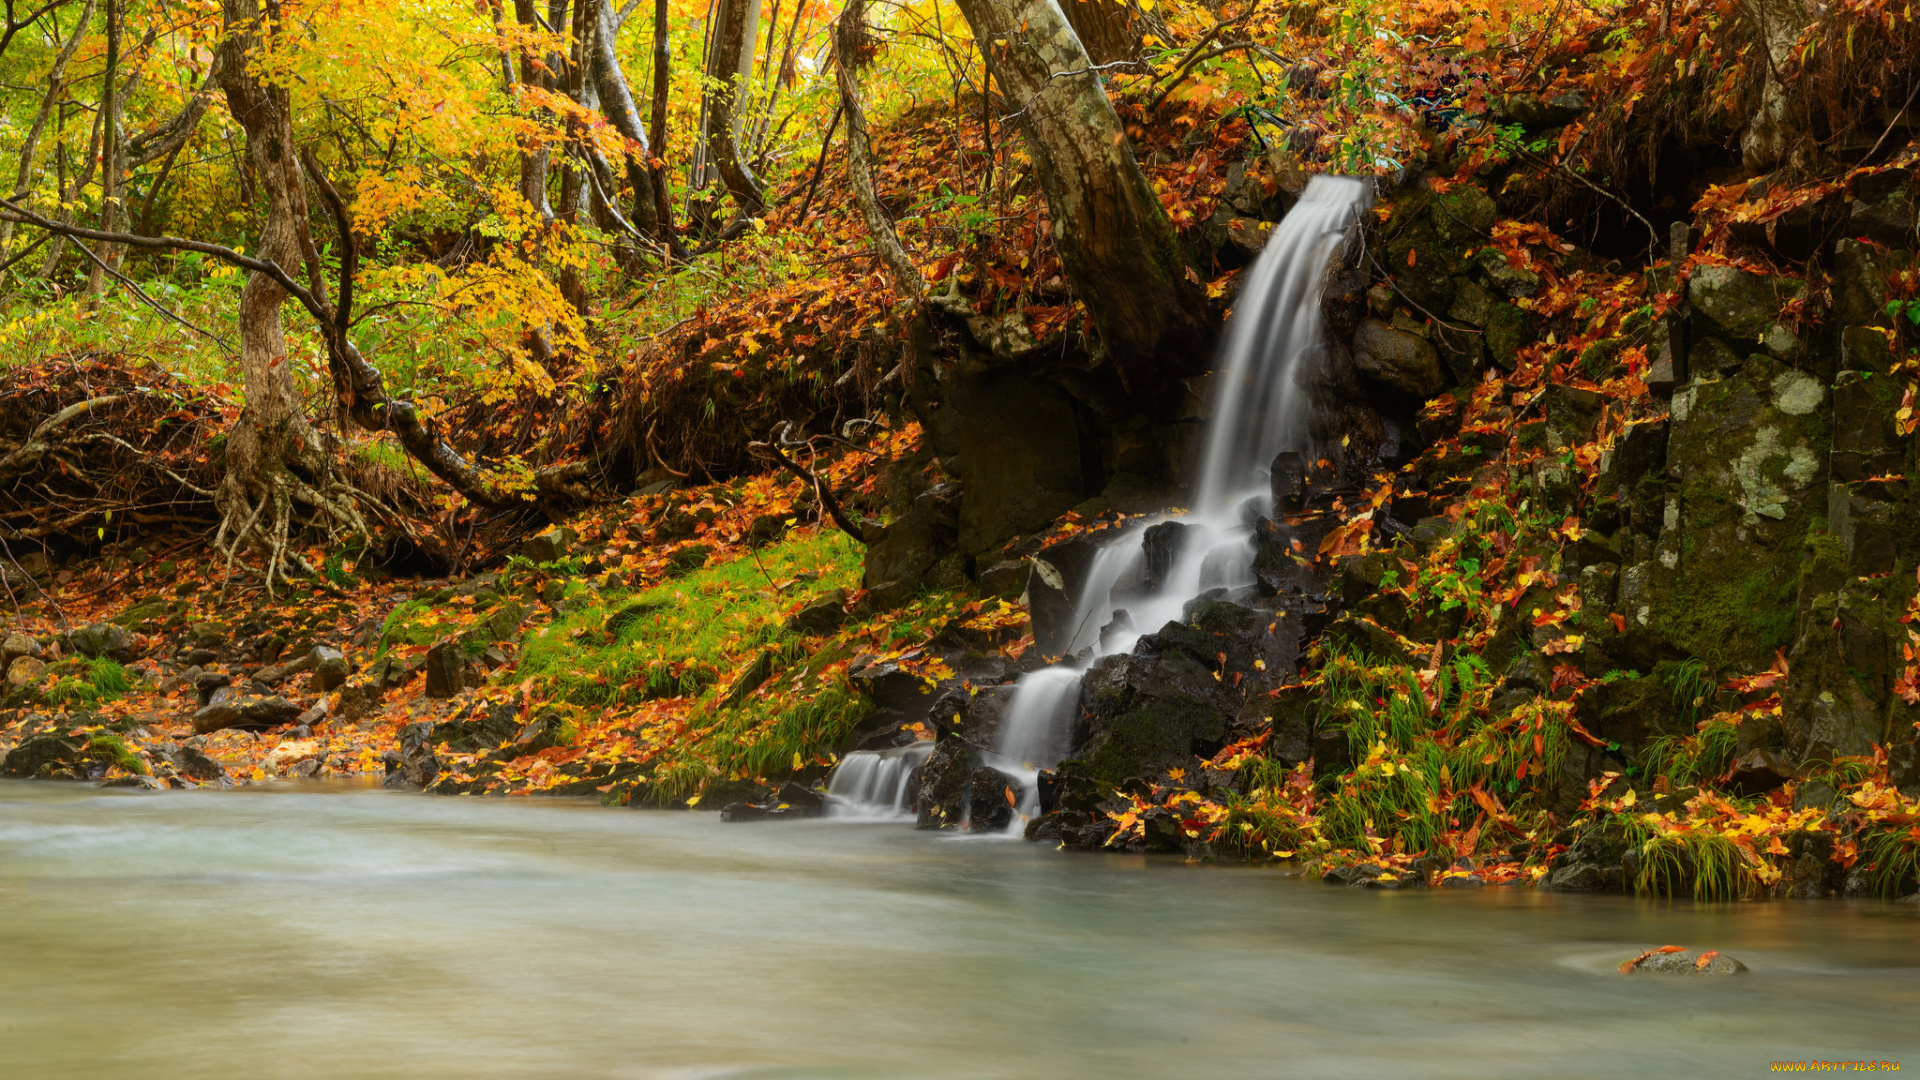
{"points": [[679, 638], [115, 751], [1730, 619]]}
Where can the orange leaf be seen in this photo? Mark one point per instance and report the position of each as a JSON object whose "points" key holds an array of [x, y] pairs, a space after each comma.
{"points": [[1705, 959], [1671, 948]]}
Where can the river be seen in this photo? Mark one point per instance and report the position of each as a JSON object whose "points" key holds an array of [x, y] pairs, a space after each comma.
{"points": [[310, 930]]}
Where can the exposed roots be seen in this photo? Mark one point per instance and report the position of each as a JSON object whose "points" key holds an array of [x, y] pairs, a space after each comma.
{"points": [[276, 489]]}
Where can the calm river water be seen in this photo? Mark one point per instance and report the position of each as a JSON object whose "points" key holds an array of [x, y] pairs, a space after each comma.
{"points": [[323, 931]]}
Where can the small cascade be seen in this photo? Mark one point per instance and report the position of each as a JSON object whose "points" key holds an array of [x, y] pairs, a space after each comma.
{"points": [[1146, 576], [874, 783]]}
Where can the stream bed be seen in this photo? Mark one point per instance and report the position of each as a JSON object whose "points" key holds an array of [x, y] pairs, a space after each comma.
{"points": [[324, 930]]}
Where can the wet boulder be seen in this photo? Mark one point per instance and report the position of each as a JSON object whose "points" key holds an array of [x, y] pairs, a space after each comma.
{"points": [[414, 765], [102, 639], [1177, 695], [46, 757], [790, 801], [329, 668], [969, 727], [1594, 862], [1161, 545], [1054, 584], [992, 800], [1683, 962], [1397, 360], [247, 712]]}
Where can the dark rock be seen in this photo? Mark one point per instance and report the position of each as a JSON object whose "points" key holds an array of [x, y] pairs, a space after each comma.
{"points": [[46, 757], [991, 800], [415, 765], [1365, 637], [1247, 236], [1052, 608], [889, 686], [102, 639], [1357, 874], [447, 671], [1161, 545], [329, 668], [1735, 303], [1288, 481], [549, 546], [247, 712], [1020, 444], [1397, 360], [791, 801], [194, 764], [1760, 771], [823, 615], [1594, 862], [486, 731], [1296, 711], [1509, 330], [1686, 962], [1824, 712], [1005, 579], [1809, 872]]}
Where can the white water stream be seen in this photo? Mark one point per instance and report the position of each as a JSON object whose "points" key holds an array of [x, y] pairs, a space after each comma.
{"points": [[1273, 335]]}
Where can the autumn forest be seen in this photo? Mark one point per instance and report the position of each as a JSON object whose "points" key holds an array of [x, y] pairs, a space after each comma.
{"points": [[1441, 450]]}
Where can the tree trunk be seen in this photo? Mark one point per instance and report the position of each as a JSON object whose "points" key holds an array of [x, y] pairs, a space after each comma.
{"points": [[1769, 133], [1116, 243], [616, 102], [1108, 28], [730, 68], [109, 151], [907, 280], [30, 146], [274, 458], [533, 161]]}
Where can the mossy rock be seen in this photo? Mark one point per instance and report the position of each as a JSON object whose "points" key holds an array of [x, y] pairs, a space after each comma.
{"points": [[1429, 236], [1509, 330], [1749, 480]]}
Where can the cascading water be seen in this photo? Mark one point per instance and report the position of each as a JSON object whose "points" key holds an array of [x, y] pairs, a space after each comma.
{"points": [[1135, 585], [873, 784], [1258, 413]]}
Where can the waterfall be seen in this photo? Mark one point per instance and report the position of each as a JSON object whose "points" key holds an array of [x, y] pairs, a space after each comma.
{"points": [[1273, 333], [1145, 576], [873, 783]]}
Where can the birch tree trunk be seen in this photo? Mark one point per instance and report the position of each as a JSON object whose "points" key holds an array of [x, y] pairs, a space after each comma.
{"points": [[1116, 243], [733, 49]]}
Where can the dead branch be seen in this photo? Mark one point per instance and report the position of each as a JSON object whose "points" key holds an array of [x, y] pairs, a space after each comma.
{"points": [[773, 448]]}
